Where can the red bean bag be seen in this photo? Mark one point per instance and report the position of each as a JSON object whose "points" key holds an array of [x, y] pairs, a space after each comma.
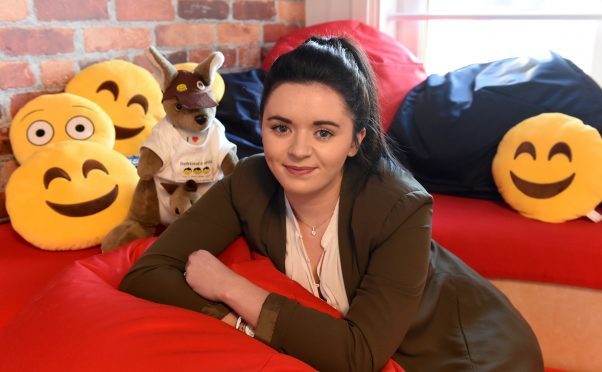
{"points": [[80, 321], [397, 70]]}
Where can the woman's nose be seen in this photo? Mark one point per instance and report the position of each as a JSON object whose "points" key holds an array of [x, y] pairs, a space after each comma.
{"points": [[300, 146]]}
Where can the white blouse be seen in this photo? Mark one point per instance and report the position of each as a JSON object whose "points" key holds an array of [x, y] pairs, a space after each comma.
{"points": [[298, 267]]}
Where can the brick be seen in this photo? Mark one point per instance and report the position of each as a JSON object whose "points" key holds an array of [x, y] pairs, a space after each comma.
{"points": [[291, 11], [19, 100], [5, 148], [36, 41], [88, 62], [144, 10], [7, 167], [17, 11], [142, 61], [249, 56], [184, 35], [56, 72], [237, 34], [3, 212], [15, 75], [273, 32], [254, 10], [200, 54], [116, 38], [265, 49], [203, 9], [177, 57], [71, 10]]}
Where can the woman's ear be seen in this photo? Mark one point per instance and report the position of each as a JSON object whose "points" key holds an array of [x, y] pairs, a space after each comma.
{"points": [[355, 146]]}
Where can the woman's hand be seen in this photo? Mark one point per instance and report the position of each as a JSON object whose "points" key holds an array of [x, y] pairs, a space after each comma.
{"points": [[208, 276]]}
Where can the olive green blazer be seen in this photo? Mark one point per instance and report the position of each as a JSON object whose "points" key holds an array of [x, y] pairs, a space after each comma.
{"points": [[388, 263]]}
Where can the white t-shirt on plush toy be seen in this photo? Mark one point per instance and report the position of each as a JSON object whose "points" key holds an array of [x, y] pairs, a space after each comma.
{"points": [[186, 158]]}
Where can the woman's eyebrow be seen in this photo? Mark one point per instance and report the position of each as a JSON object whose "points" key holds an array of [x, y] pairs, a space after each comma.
{"points": [[280, 118], [326, 122]]}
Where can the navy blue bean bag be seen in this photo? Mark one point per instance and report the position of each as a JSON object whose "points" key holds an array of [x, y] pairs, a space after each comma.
{"points": [[239, 110], [448, 127]]}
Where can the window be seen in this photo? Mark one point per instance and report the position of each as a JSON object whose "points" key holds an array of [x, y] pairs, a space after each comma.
{"points": [[449, 34]]}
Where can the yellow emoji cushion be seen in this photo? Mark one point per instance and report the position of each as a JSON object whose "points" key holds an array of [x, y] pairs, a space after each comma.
{"points": [[52, 118], [548, 167], [70, 194], [128, 93], [218, 87]]}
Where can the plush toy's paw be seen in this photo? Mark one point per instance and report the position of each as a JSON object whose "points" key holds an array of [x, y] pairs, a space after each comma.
{"points": [[149, 164], [183, 198], [124, 233]]}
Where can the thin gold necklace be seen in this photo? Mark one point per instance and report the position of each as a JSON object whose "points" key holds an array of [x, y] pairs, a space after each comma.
{"points": [[314, 231]]}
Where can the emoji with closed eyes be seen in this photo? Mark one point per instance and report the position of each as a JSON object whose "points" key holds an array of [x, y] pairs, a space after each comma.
{"points": [[52, 118], [128, 93], [70, 194], [548, 167]]}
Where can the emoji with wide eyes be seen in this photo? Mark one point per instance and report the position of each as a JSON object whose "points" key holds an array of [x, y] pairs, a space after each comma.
{"points": [[128, 93], [52, 118], [70, 194], [548, 167]]}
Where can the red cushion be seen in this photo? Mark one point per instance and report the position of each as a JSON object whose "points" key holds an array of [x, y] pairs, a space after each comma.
{"points": [[498, 242], [82, 322], [397, 70], [25, 270]]}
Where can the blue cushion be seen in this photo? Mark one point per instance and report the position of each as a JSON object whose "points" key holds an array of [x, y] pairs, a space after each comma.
{"points": [[239, 110]]}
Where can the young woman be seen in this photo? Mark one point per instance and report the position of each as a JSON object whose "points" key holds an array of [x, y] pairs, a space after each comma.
{"points": [[331, 209]]}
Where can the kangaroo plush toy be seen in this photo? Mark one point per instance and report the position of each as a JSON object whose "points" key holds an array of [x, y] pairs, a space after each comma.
{"points": [[186, 153]]}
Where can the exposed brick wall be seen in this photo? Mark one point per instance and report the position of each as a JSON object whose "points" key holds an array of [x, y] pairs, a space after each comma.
{"points": [[44, 43]]}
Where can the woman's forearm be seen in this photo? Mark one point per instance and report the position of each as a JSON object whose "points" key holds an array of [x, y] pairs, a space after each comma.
{"points": [[246, 299]]}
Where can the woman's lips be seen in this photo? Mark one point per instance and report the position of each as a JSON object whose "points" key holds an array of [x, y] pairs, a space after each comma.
{"points": [[299, 171]]}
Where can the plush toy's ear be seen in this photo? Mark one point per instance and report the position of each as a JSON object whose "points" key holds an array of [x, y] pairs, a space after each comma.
{"points": [[208, 68], [168, 71]]}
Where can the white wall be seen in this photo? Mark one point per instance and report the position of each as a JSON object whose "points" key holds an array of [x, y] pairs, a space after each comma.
{"points": [[320, 11]]}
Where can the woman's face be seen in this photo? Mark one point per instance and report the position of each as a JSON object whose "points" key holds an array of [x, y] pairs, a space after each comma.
{"points": [[307, 134]]}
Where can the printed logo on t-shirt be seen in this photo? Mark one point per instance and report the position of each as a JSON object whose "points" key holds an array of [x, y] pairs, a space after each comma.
{"points": [[198, 171]]}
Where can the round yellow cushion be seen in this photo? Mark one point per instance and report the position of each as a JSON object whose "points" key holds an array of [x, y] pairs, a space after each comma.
{"points": [[70, 194], [52, 118], [128, 93], [549, 167]]}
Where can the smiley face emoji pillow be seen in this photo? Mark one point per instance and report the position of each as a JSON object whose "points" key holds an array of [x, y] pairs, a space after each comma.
{"points": [[70, 194], [549, 167], [128, 93], [52, 118]]}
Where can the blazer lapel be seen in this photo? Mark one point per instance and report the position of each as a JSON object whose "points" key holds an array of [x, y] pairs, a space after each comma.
{"points": [[347, 250], [274, 230]]}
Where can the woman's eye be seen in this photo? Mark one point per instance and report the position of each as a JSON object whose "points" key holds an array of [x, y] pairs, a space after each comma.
{"points": [[323, 133], [279, 129]]}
